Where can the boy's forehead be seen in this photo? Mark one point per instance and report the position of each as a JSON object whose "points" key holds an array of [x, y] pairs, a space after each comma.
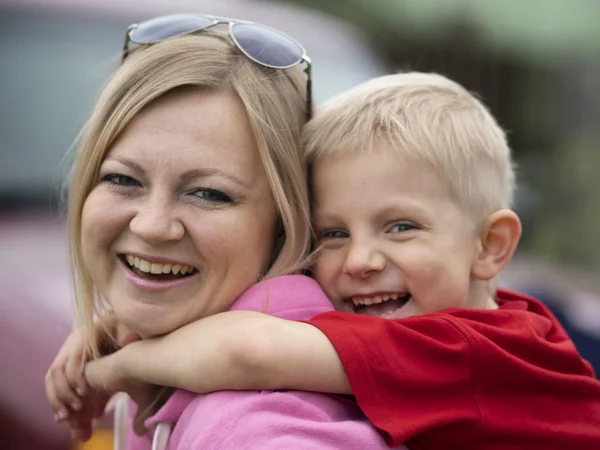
{"points": [[377, 176], [373, 188], [368, 171], [372, 160]]}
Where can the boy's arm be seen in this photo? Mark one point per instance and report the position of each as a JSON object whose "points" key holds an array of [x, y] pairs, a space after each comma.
{"points": [[239, 350]]}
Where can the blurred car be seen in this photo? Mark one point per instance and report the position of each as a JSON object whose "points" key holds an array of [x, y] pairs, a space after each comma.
{"points": [[56, 56]]}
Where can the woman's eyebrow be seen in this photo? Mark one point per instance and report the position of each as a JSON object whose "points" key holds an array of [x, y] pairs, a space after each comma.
{"points": [[129, 163], [186, 176], [210, 171]]}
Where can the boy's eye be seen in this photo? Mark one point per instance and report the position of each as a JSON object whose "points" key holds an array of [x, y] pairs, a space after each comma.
{"points": [[116, 179], [402, 227], [333, 234], [211, 196]]}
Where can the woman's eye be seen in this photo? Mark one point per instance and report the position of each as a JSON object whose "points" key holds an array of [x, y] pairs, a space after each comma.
{"points": [[212, 196], [333, 234], [402, 227], [116, 179]]}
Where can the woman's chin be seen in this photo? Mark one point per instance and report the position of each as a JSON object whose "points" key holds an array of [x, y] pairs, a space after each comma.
{"points": [[145, 321]]}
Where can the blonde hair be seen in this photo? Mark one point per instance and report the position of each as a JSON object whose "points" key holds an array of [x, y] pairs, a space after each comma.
{"points": [[425, 118], [275, 101]]}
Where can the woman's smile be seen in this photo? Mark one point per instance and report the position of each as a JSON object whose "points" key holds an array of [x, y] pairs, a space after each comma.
{"points": [[150, 275]]}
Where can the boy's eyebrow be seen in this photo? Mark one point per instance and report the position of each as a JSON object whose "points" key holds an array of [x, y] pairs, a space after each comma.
{"points": [[321, 220], [409, 209]]}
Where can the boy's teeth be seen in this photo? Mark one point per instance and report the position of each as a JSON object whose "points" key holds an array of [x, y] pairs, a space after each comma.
{"points": [[366, 301], [156, 268]]}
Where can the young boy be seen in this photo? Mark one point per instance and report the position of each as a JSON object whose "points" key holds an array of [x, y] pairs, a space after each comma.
{"points": [[412, 182]]}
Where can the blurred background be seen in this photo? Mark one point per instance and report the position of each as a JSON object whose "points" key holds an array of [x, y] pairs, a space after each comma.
{"points": [[535, 63]]}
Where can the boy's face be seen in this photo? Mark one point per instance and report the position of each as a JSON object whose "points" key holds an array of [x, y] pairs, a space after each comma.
{"points": [[394, 242]]}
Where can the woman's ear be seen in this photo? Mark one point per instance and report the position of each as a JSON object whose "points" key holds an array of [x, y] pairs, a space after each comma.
{"points": [[499, 238]]}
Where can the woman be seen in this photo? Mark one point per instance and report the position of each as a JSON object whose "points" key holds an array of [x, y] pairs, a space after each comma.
{"points": [[187, 189]]}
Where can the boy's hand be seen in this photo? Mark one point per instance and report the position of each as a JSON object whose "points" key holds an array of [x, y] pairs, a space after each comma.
{"points": [[65, 383], [67, 391], [109, 374]]}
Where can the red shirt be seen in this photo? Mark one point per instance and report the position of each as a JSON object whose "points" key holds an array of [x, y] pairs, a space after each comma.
{"points": [[470, 379]]}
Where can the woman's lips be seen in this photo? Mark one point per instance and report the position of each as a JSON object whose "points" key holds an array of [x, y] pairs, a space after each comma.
{"points": [[153, 282]]}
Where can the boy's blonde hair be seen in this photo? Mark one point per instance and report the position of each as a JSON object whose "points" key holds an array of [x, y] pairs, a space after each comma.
{"points": [[275, 101], [426, 118]]}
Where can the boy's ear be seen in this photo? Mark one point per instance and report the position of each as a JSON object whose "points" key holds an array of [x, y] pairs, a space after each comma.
{"points": [[498, 241]]}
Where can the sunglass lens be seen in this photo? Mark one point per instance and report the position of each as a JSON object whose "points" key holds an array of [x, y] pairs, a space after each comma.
{"points": [[267, 46], [156, 30]]}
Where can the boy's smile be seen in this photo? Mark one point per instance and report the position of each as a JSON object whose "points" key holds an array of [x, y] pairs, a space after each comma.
{"points": [[379, 304], [394, 241]]}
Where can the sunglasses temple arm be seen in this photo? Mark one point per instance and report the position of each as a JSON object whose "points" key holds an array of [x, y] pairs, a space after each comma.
{"points": [[308, 71], [127, 41]]}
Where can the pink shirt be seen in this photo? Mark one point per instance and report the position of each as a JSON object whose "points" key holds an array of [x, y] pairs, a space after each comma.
{"points": [[263, 419]]}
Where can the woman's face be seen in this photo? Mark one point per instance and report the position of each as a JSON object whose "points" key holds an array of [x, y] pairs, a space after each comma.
{"points": [[182, 219]]}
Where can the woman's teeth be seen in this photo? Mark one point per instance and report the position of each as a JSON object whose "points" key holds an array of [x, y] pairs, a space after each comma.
{"points": [[155, 268]]}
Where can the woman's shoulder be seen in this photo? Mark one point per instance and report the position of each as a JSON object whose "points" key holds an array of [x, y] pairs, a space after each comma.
{"points": [[301, 283], [274, 419]]}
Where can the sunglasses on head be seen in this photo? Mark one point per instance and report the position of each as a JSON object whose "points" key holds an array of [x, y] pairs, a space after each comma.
{"points": [[263, 45]]}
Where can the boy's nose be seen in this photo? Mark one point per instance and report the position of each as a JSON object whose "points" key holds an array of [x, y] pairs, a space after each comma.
{"points": [[155, 222], [363, 261]]}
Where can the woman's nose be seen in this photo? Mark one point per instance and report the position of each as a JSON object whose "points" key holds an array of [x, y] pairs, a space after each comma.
{"points": [[364, 259], [156, 222]]}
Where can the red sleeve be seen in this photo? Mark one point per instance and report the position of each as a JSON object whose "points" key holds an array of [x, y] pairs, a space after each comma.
{"points": [[408, 376], [470, 379]]}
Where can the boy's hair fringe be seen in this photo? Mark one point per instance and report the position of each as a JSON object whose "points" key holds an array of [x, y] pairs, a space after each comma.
{"points": [[426, 119]]}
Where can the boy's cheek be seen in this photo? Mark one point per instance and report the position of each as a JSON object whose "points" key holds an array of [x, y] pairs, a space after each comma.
{"points": [[325, 270]]}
